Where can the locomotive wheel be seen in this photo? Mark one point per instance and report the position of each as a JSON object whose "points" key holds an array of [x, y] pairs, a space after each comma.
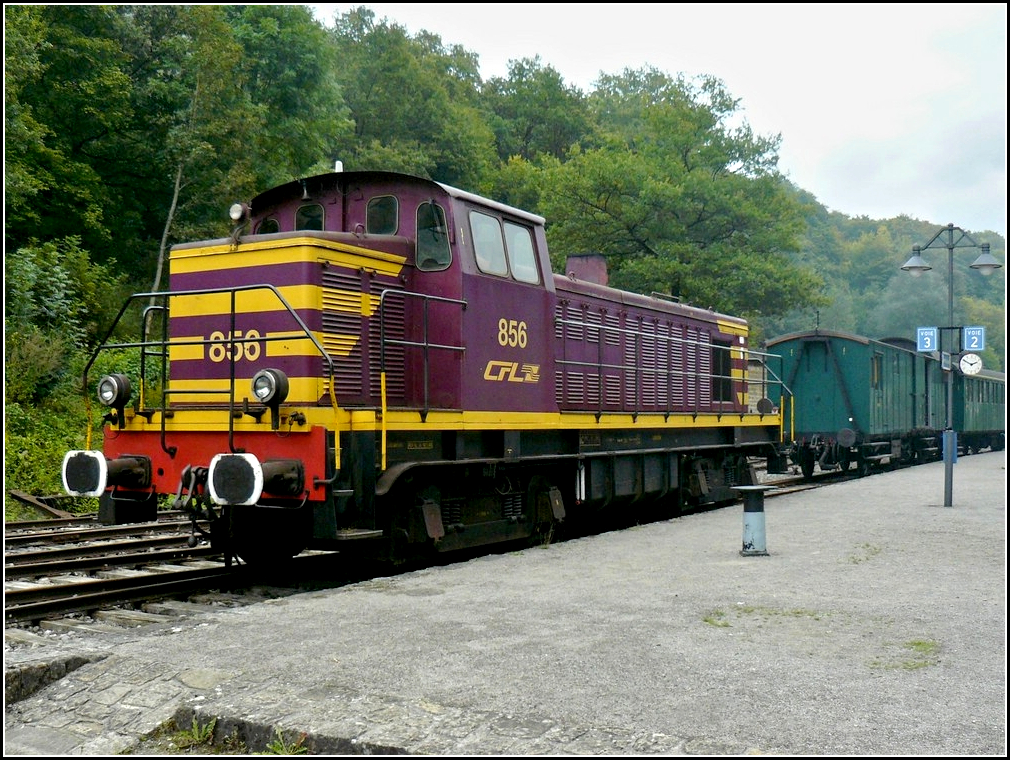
{"points": [[265, 535], [543, 526]]}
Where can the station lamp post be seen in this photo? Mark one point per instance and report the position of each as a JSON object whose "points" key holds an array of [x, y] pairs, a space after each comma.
{"points": [[986, 263]]}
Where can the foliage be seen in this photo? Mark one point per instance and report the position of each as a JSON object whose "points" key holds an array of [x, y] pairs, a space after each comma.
{"points": [[287, 70], [35, 441], [413, 101], [73, 104], [54, 305], [534, 113], [24, 136], [678, 201]]}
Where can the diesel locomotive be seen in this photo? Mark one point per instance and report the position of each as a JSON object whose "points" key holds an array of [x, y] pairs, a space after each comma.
{"points": [[382, 364], [867, 404]]}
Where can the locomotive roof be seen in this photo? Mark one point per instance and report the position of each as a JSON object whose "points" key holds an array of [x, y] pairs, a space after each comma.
{"points": [[334, 179]]}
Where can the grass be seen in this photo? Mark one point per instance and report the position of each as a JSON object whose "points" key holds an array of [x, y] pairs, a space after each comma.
{"points": [[719, 618], [863, 553], [200, 739], [919, 653], [280, 746]]}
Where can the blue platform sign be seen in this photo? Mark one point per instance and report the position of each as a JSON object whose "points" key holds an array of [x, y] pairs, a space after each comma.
{"points": [[973, 338], [926, 339]]}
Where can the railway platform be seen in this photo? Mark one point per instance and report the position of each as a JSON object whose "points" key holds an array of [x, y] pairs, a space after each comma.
{"points": [[874, 624]]}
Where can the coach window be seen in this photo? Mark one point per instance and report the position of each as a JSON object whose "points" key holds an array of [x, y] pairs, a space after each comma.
{"points": [[432, 238], [488, 246], [309, 217], [381, 216], [267, 226], [876, 370], [522, 259]]}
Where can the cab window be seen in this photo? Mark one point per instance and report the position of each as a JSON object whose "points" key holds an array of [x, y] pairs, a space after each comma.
{"points": [[432, 238], [522, 259], [488, 246], [309, 217], [267, 226], [381, 215]]}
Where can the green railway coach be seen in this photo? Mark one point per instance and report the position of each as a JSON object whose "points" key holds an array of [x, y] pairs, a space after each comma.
{"points": [[855, 400], [980, 411]]}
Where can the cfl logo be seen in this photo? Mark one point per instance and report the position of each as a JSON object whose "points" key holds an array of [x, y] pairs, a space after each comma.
{"points": [[499, 372]]}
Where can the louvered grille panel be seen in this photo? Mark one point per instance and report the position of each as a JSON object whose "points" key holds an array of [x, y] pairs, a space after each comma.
{"points": [[351, 336], [649, 364], [690, 367], [705, 370], [612, 333], [612, 386], [559, 321], [342, 327], [592, 390], [662, 348], [393, 322], [634, 367], [677, 382], [593, 322]]}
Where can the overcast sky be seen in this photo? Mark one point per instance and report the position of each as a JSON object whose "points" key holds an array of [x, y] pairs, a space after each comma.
{"points": [[884, 109]]}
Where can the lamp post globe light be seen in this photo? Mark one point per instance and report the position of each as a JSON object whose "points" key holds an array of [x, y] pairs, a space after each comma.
{"points": [[986, 263]]}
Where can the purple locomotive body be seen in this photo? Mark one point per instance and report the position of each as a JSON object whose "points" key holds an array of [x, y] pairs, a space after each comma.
{"points": [[420, 380]]}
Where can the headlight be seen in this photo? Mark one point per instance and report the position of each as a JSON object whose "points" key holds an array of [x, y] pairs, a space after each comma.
{"points": [[239, 212], [270, 386], [114, 390]]}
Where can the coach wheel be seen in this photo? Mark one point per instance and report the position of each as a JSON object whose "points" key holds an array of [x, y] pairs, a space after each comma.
{"points": [[864, 468], [807, 461], [844, 459]]}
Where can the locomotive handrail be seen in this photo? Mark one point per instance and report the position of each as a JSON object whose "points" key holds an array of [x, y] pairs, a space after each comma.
{"points": [[144, 352], [145, 345], [424, 344]]}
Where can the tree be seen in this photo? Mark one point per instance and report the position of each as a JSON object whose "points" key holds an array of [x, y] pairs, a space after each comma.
{"points": [[70, 100], [533, 112], [24, 136], [678, 201], [54, 307], [413, 102], [289, 70], [205, 146]]}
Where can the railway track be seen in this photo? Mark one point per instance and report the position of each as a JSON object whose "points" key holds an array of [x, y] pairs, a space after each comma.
{"points": [[73, 566]]}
